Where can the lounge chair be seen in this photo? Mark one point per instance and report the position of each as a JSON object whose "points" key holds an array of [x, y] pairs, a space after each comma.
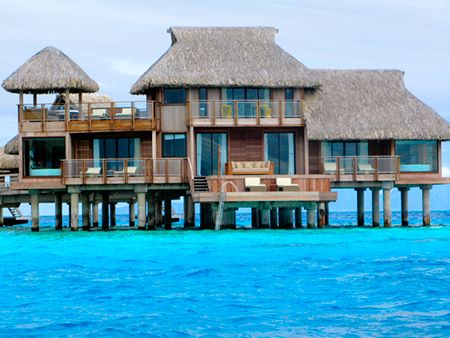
{"points": [[254, 184], [93, 171], [285, 184], [366, 168], [99, 113]]}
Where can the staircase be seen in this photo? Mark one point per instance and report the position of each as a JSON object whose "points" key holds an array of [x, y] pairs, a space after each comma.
{"points": [[200, 184], [15, 212]]}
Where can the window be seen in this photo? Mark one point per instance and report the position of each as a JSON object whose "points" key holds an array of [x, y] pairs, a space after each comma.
{"points": [[279, 148], [43, 156], [289, 104], [345, 148], [417, 156], [208, 145], [116, 148], [174, 96], [174, 145], [246, 98]]}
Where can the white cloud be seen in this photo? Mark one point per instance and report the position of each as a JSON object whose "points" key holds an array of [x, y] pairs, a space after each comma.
{"points": [[446, 171]]}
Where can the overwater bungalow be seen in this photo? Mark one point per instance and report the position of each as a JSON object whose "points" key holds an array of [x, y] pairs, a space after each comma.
{"points": [[226, 119]]}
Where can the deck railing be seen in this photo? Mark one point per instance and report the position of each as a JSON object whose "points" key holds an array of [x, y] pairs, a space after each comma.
{"points": [[245, 112], [361, 168], [87, 116], [7, 179], [124, 171]]}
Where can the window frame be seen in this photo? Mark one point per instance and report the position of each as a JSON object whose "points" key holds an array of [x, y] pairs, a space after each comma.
{"points": [[26, 159], [163, 144], [182, 102]]}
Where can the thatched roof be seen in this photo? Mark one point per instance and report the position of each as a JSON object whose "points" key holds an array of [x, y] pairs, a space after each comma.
{"points": [[12, 147], [86, 98], [225, 56], [49, 71], [371, 105], [8, 162]]}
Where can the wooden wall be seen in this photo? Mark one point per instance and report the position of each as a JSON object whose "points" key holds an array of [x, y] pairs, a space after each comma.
{"points": [[314, 157], [246, 145]]}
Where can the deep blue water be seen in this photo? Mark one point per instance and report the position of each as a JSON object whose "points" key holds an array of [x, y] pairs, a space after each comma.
{"points": [[338, 281]]}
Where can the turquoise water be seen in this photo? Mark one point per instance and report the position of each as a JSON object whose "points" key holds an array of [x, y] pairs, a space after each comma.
{"points": [[339, 281]]}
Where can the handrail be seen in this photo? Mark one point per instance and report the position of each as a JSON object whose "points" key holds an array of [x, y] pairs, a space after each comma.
{"points": [[191, 176]]}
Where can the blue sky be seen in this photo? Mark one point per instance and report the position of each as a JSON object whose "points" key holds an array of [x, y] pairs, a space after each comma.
{"points": [[116, 41]]}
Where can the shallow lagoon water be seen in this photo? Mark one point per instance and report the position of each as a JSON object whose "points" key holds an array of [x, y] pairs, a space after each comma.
{"points": [[338, 281]]}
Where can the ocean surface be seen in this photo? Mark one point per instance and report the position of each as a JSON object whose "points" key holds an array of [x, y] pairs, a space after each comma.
{"points": [[340, 281]]}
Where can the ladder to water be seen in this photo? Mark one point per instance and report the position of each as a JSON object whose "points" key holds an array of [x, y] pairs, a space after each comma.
{"points": [[15, 212], [219, 214]]}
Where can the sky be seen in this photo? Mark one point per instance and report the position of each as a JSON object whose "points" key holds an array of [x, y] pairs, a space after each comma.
{"points": [[116, 41]]}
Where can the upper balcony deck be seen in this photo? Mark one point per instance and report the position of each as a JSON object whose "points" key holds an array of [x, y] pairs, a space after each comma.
{"points": [[110, 116], [245, 113]]}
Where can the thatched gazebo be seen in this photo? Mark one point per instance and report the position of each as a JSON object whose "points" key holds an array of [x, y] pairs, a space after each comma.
{"points": [[8, 163], [12, 147], [49, 71], [225, 56]]}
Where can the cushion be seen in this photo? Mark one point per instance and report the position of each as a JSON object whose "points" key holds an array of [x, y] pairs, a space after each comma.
{"points": [[283, 181], [249, 181]]}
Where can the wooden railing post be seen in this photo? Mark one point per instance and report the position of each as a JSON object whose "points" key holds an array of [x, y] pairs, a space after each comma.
{"points": [[89, 112], [111, 115], [43, 117], [83, 171], [355, 168], [236, 112], [214, 115], [281, 113], [376, 168], [63, 174], [338, 168], [125, 170], [258, 112], [397, 171], [166, 170], [151, 164], [213, 110], [104, 170], [133, 114]]}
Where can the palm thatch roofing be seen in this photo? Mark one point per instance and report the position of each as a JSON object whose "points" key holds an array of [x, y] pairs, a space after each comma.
{"points": [[85, 98], [12, 147], [225, 56], [49, 71], [8, 162], [369, 105]]}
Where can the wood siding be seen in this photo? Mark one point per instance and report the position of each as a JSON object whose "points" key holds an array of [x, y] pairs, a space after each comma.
{"points": [[314, 157], [246, 145]]}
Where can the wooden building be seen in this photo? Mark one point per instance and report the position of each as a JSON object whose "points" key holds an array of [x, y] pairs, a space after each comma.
{"points": [[227, 119]]}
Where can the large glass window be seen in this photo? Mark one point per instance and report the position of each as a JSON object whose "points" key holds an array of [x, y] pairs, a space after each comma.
{"points": [[345, 148], [43, 156], [417, 156], [289, 102], [242, 94], [174, 145], [208, 145], [174, 96], [280, 149], [116, 148]]}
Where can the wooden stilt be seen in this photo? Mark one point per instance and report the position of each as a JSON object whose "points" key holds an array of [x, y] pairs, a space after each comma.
{"points": [[105, 211], [158, 212], [321, 215], [131, 212], [273, 218], [1, 216], [58, 211], [426, 204], [74, 201], [311, 217], [151, 215], [360, 206], [375, 207], [95, 214], [387, 213], [34, 197], [85, 215], [189, 211], [168, 213], [141, 210], [265, 218], [298, 218], [112, 212], [404, 205]]}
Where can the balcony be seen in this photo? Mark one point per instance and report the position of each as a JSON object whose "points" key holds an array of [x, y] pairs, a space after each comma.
{"points": [[124, 171], [361, 168], [109, 116], [245, 113]]}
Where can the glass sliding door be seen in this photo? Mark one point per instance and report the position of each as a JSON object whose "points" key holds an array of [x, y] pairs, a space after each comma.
{"points": [[280, 149], [208, 145], [114, 149]]}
